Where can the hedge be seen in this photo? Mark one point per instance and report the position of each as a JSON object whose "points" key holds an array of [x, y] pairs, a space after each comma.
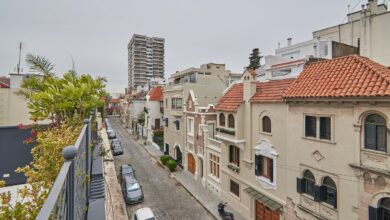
{"points": [[171, 164], [164, 159]]}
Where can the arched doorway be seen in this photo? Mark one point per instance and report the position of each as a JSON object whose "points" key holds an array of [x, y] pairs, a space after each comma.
{"points": [[191, 166], [179, 159]]}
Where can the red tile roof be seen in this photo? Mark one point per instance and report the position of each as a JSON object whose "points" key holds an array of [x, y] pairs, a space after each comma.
{"points": [[232, 99], [156, 94], [349, 76], [271, 91]]}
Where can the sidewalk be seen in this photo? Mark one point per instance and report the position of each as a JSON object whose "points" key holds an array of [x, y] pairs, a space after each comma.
{"points": [[209, 200], [115, 205]]}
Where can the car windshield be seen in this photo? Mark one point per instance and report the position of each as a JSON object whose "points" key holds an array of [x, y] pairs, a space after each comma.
{"points": [[133, 187], [152, 218], [127, 170]]}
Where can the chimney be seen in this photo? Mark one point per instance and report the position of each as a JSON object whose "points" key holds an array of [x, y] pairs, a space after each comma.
{"points": [[278, 45], [289, 41]]}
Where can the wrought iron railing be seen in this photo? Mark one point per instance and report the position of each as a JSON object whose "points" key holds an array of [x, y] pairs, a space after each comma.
{"points": [[68, 198]]}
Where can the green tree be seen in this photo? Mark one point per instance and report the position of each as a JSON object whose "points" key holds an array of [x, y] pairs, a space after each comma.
{"points": [[60, 99], [66, 100], [254, 59]]}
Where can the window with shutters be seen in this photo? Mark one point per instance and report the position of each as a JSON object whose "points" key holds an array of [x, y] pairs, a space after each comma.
{"points": [[264, 167], [222, 120], [329, 192], [375, 133], [235, 188], [266, 124], [318, 127], [234, 155], [265, 164]]}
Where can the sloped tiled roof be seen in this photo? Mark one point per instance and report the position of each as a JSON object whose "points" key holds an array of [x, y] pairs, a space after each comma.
{"points": [[156, 94], [232, 99], [349, 76], [271, 91]]}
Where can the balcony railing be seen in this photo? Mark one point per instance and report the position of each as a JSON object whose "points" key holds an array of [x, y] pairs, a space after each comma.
{"points": [[214, 142], [68, 198]]}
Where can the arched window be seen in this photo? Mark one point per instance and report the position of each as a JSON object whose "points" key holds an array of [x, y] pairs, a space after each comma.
{"points": [[329, 192], [375, 133], [266, 124], [309, 183], [221, 119], [384, 206], [231, 121]]}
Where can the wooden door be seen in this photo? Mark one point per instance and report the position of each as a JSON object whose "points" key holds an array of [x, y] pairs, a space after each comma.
{"points": [[264, 213], [157, 124], [191, 164]]}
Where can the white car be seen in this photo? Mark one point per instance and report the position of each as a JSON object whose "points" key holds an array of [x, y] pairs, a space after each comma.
{"points": [[143, 214]]}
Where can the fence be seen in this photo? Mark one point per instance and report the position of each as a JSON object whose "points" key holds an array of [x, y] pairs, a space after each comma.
{"points": [[68, 198]]}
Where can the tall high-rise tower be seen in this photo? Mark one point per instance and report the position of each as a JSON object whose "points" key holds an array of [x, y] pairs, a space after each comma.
{"points": [[146, 60]]}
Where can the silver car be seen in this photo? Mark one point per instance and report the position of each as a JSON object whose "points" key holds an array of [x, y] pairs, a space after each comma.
{"points": [[132, 191]]}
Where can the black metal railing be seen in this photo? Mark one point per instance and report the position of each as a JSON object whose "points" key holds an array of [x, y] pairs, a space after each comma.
{"points": [[68, 198]]}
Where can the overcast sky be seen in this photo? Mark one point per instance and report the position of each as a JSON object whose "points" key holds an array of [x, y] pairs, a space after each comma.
{"points": [[96, 33]]}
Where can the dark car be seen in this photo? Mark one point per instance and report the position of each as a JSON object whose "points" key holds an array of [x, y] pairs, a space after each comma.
{"points": [[132, 191], [126, 170]]}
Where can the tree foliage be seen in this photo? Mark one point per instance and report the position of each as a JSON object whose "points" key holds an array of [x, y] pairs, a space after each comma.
{"points": [[60, 99], [66, 101], [254, 59]]}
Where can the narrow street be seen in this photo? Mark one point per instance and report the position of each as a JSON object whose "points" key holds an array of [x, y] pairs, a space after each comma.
{"points": [[167, 199]]}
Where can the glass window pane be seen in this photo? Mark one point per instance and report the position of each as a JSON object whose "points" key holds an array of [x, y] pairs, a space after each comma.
{"points": [[310, 126], [381, 138], [370, 136], [325, 128]]}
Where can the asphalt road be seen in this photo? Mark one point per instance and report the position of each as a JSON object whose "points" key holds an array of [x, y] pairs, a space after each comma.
{"points": [[167, 199]]}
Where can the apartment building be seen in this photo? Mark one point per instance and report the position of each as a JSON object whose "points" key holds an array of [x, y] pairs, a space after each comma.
{"points": [[206, 84], [368, 29], [145, 60], [289, 61], [314, 147]]}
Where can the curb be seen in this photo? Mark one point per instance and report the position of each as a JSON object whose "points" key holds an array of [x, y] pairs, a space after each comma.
{"points": [[171, 175]]}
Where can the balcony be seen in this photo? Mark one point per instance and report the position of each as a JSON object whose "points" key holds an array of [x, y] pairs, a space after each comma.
{"points": [[214, 143], [78, 182], [230, 131]]}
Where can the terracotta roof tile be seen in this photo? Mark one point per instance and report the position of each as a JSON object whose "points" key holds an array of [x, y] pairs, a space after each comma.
{"points": [[156, 94], [349, 76], [271, 91]]}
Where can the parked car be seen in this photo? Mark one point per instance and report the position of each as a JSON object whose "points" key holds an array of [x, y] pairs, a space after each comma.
{"points": [[126, 170], [144, 214], [111, 134], [117, 150], [115, 142], [132, 191]]}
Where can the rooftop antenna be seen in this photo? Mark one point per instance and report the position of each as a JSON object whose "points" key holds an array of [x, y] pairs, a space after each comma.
{"points": [[18, 69]]}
